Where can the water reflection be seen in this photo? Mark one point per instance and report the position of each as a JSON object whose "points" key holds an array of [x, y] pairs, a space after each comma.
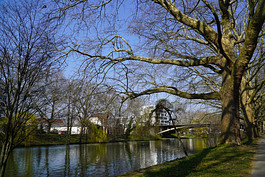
{"points": [[110, 159]]}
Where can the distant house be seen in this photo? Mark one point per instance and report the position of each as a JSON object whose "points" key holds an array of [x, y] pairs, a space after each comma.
{"points": [[108, 123], [42, 125], [76, 129], [161, 119], [100, 119], [58, 126], [145, 114], [61, 126]]}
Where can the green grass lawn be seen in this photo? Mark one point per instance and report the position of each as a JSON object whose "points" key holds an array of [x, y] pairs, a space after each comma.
{"points": [[56, 139], [49, 139], [222, 160]]}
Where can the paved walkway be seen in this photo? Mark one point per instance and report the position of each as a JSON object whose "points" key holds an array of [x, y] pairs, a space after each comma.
{"points": [[259, 161]]}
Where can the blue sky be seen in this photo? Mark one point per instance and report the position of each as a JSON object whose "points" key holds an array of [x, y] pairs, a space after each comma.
{"points": [[124, 17]]}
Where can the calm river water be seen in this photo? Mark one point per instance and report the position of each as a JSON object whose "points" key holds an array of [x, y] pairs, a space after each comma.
{"points": [[109, 159]]}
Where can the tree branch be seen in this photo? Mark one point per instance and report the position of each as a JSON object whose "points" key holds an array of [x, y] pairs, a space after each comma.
{"points": [[253, 29], [202, 28], [175, 91], [203, 61]]}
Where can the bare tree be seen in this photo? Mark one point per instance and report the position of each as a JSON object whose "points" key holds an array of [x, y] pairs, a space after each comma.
{"points": [[207, 38], [86, 99], [52, 102], [25, 57], [70, 102]]}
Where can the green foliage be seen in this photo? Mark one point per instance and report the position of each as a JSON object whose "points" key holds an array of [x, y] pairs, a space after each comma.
{"points": [[24, 123], [97, 134], [141, 131], [30, 132], [201, 132], [3, 122], [129, 129]]}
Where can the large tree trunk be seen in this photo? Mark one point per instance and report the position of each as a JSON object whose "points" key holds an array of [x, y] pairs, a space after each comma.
{"points": [[252, 129], [248, 110], [249, 117], [230, 124]]}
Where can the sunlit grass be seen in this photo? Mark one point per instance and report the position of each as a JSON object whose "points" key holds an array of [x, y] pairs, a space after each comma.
{"points": [[222, 160]]}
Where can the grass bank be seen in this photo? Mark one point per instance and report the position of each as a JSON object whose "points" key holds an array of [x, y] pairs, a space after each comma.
{"points": [[49, 139], [56, 139], [222, 160]]}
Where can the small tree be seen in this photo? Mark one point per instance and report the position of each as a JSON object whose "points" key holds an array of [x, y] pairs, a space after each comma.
{"points": [[97, 134], [51, 103], [25, 58], [142, 129]]}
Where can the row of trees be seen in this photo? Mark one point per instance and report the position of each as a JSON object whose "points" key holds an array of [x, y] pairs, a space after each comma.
{"points": [[31, 84], [203, 50]]}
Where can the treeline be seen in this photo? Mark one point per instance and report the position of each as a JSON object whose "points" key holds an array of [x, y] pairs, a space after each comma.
{"points": [[212, 52]]}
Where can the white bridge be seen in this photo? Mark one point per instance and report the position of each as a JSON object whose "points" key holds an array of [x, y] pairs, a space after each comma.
{"points": [[169, 128]]}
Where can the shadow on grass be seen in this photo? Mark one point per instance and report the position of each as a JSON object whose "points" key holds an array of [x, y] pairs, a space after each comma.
{"points": [[180, 168], [221, 160], [231, 162]]}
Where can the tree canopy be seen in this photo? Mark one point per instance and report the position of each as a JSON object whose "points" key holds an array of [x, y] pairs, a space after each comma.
{"points": [[213, 41]]}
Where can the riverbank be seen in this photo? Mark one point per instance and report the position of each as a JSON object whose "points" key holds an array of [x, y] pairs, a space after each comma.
{"points": [[222, 160], [56, 139]]}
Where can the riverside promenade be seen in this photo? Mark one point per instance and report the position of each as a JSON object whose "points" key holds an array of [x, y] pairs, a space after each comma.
{"points": [[258, 169]]}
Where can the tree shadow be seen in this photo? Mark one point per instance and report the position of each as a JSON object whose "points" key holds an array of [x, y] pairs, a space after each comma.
{"points": [[180, 168], [221, 161]]}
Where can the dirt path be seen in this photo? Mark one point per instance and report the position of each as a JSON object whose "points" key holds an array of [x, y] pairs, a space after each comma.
{"points": [[259, 160]]}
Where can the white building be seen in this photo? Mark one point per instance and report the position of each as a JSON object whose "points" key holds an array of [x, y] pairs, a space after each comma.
{"points": [[61, 126], [100, 119], [96, 121], [161, 119], [145, 114]]}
